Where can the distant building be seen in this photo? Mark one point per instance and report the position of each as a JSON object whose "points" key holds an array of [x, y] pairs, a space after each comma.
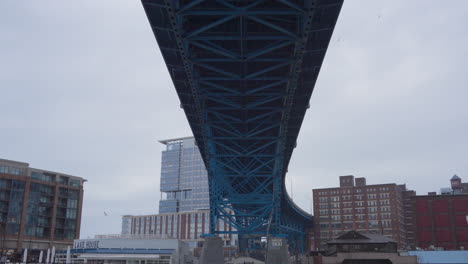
{"points": [[184, 205], [354, 241], [440, 256], [184, 178], [409, 218], [357, 248], [456, 186], [126, 224], [439, 221], [38, 208], [377, 209], [186, 226], [129, 250]]}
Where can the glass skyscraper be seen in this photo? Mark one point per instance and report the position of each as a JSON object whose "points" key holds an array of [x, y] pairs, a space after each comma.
{"points": [[184, 179]]}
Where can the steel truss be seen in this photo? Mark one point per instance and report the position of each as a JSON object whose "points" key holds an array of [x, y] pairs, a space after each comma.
{"points": [[244, 72]]}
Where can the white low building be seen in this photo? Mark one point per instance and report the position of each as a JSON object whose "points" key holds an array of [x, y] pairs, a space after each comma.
{"points": [[128, 250]]}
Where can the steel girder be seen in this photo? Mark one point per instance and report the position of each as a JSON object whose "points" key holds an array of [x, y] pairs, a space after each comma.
{"points": [[244, 72]]}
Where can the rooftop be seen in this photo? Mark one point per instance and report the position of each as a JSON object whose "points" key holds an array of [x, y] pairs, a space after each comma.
{"points": [[14, 162], [173, 140], [353, 237], [441, 257], [27, 169]]}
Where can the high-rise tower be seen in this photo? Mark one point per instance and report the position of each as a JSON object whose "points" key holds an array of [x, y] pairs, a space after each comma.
{"points": [[184, 179]]}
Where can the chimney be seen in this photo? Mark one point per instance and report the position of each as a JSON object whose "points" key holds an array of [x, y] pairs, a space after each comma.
{"points": [[361, 181], [347, 181]]}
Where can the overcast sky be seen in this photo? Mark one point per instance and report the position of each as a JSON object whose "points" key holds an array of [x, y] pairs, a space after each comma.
{"points": [[84, 91]]}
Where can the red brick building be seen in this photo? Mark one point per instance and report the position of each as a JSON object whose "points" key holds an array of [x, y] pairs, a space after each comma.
{"points": [[377, 209], [441, 220]]}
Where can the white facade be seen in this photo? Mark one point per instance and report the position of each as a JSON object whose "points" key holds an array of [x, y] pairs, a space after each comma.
{"points": [[186, 226], [127, 250], [126, 224]]}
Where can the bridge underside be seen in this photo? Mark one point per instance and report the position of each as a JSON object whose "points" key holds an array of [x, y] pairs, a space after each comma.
{"points": [[244, 72]]}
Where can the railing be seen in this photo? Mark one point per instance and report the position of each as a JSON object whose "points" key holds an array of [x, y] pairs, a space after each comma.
{"points": [[133, 236]]}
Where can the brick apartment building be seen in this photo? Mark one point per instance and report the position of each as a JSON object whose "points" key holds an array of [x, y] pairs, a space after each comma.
{"points": [[38, 208], [354, 205]]}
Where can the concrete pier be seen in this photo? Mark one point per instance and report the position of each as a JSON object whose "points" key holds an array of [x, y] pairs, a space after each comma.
{"points": [[277, 252], [212, 251]]}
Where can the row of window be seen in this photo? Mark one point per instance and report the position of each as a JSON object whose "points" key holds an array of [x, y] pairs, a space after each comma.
{"points": [[357, 217], [10, 170], [355, 190], [357, 204], [166, 226], [355, 211], [371, 196], [48, 177], [385, 223]]}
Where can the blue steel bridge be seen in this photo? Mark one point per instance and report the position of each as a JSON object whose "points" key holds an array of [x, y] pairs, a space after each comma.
{"points": [[244, 71]]}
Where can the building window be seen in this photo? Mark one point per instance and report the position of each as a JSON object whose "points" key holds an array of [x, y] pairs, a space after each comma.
{"points": [[385, 215], [16, 171], [325, 225], [4, 169], [373, 217], [46, 177], [346, 197], [335, 211], [384, 195], [74, 183], [373, 224], [385, 208], [323, 218], [384, 202], [387, 223], [323, 212]]}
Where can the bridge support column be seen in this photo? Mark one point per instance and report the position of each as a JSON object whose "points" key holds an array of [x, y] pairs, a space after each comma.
{"points": [[212, 251], [277, 252]]}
